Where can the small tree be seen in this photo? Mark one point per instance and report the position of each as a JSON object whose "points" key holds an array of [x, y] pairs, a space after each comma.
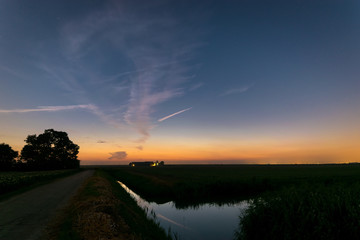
{"points": [[7, 157], [50, 150]]}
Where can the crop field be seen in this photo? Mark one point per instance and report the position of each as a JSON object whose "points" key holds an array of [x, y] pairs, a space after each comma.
{"points": [[193, 184], [11, 181]]}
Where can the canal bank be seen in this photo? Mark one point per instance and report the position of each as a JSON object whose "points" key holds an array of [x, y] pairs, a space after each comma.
{"points": [[102, 209]]}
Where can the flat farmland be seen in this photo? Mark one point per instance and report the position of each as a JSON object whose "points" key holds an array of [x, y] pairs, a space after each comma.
{"points": [[188, 184]]}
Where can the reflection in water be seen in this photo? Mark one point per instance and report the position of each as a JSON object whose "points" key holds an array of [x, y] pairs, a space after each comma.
{"points": [[171, 221], [209, 221]]}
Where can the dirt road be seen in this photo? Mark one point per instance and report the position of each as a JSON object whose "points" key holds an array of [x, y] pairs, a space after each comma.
{"points": [[25, 216]]}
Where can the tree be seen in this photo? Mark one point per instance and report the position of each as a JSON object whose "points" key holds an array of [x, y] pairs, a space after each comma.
{"points": [[50, 150], [7, 157]]}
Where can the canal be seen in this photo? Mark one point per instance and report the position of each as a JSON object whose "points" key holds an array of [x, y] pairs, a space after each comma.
{"points": [[209, 221]]}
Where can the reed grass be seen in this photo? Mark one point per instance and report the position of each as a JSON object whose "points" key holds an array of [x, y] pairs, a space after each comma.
{"points": [[316, 211]]}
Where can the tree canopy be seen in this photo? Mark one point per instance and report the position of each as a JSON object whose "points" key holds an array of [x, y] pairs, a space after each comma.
{"points": [[7, 157], [50, 150]]}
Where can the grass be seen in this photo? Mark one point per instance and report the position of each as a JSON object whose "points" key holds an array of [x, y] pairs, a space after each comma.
{"points": [[103, 210], [15, 182], [195, 184], [320, 211]]}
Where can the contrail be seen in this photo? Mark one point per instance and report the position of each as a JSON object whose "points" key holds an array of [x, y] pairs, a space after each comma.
{"points": [[48, 109], [171, 115]]}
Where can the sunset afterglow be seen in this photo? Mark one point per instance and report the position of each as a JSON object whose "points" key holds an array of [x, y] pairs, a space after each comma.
{"points": [[184, 81]]}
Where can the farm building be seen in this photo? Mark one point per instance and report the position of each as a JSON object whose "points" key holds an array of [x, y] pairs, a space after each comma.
{"points": [[146, 164]]}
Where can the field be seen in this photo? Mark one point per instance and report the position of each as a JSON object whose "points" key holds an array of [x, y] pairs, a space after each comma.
{"points": [[287, 201], [12, 181], [194, 184]]}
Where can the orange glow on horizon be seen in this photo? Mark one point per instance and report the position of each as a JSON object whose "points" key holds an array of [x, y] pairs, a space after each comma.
{"points": [[256, 153]]}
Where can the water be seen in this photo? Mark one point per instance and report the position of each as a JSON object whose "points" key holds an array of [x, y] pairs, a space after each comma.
{"points": [[208, 221]]}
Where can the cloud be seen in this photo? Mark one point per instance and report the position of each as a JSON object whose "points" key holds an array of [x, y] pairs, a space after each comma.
{"points": [[107, 118], [141, 106], [49, 109], [118, 155], [13, 72], [101, 141], [174, 114], [139, 147], [235, 91], [126, 60], [196, 86]]}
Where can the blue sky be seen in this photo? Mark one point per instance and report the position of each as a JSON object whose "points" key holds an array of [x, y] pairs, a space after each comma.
{"points": [[246, 81]]}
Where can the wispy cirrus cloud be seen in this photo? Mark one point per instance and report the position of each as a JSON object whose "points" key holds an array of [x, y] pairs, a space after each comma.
{"points": [[12, 72], [174, 114], [235, 91], [89, 107], [196, 86], [125, 60], [49, 109]]}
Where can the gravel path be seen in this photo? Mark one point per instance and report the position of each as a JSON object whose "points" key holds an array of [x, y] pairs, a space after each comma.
{"points": [[26, 215]]}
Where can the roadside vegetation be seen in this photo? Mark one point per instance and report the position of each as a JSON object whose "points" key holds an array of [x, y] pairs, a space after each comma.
{"points": [[195, 184], [17, 181], [102, 209]]}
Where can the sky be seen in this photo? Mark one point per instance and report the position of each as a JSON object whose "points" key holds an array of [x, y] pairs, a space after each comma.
{"points": [[250, 81]]}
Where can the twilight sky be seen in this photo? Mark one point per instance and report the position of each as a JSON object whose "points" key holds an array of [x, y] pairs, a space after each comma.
{"points": [[250, 81]]}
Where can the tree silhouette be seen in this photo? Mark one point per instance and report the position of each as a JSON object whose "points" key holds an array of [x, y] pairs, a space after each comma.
{"points": [[7, 157], [50, 150]]}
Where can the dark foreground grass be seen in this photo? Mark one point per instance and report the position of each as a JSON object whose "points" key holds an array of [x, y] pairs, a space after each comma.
{"points": [[104, 210], [320, 211], [196, 184]]}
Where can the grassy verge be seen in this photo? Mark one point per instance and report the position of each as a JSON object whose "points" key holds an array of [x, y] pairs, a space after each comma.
{"points": [[191, 185], [103, 210]]}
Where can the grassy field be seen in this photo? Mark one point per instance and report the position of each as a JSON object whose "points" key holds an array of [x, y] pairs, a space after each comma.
{"points": [[195, 184], [102, 209], [15, 181]]}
